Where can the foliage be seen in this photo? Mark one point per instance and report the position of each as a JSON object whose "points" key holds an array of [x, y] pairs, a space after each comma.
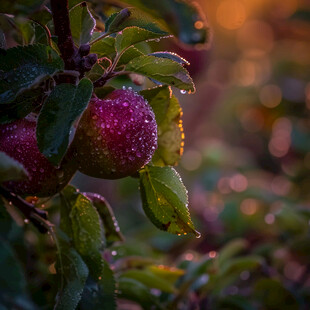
{"points": [[51, 74], [246, 163]]}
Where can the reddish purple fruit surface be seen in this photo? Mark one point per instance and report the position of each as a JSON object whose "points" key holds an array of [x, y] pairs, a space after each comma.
{"points": [[18, 140], [115, 136]]}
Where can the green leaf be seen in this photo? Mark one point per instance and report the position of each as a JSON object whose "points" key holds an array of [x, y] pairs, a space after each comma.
{"points": [[149, 279], [73, 271], [128, 55], [168, 118], [173, 56], [169, 274], [23, 104], [239, 264], [26, 29], [86, 229], [291, 221], [42, 16], [104, 47], [102, 92], [163, 70], [98, 69], [115, 20], [19, 7], [236, 302], [133, 35], [24, 66], [165, 200], [133, 17], [182, 18], [231, 249], [10, 169], [272, 295], [12, 278], [82, 23], [87, 238], [111, 229], [63, 106], [138, 292]]}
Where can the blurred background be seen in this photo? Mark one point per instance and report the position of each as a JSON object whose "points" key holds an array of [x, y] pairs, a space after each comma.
{"points": [[246, 163]]}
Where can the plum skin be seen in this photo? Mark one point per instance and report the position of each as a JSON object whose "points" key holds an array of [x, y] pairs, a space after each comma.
{"points": [[18, 140], [116, 136]]}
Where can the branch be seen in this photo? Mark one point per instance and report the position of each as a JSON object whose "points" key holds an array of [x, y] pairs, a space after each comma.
{"points": [[61, 21], [101, 81], [77, 59], [29, 211]]}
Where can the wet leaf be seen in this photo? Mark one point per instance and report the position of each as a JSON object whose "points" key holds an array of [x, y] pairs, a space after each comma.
{"points": [[168, 118], [133, 17], [73, 273], [104, 47], [136, 291], [88, 240], [23, 67], [82, 23], [133, 35], [163, 70], [111, 229], [63, 106], [184, 19], [165, 200]]}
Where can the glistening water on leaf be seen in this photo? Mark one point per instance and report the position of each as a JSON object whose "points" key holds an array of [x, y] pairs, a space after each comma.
{"points": [[165, 200]]}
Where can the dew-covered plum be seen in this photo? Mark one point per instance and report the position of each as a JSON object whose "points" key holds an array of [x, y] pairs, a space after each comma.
{"points": [[116, 136], [18, 140]]}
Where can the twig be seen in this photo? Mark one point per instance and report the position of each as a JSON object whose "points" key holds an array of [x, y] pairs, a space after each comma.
{"points": [[101, 81], [60, 12], [77, 59], [29, 211]]}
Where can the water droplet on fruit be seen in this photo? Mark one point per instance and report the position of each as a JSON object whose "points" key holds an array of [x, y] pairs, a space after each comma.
{"points": [[125, 104]]}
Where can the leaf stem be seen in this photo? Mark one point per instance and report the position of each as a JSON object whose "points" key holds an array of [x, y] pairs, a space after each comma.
{"points": [[29, 211], [99, 38]]}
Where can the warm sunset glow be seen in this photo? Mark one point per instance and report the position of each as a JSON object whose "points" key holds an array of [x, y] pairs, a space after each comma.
{"points": [[270, 96], [231, 14], [249, 206]]}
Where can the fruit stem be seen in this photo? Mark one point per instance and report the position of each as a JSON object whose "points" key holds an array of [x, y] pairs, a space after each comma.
{"points": [[29, 211]]}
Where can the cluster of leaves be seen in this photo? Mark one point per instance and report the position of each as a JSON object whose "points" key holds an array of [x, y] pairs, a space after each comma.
{"points": [[30, 81]]}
